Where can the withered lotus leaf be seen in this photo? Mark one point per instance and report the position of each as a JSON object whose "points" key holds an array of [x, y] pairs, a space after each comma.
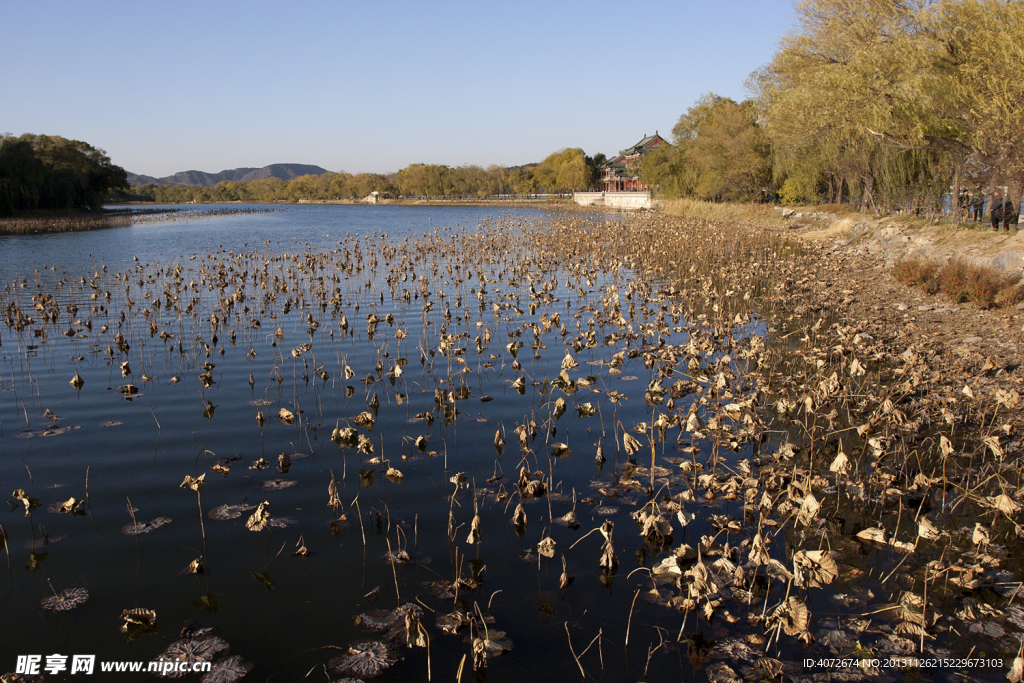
{"points": [[366, 658], [66, 600], [70, 506], [145, 618], [814, 568], [135, 528], [345, 436], [226, 512], [258, 520], [792, 614], [519, 516], [559, 409], [333, 499], [364, 419], [453, 622], [227, 670], [194, 483], [631, 445], [278, 484], [201, 649]]}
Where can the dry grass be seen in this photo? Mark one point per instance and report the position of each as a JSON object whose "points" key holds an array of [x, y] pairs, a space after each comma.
{"points": [[726, 211], [62, 222], [960, 281]]}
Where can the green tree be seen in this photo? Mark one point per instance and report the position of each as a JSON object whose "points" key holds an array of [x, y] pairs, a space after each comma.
{"points": [[720, 153], [565, 170], [894, 100], [51, 172]]}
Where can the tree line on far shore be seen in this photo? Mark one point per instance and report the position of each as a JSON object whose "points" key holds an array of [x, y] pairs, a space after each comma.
{"points": [[884, 104], [563, 171], [51, 172]]}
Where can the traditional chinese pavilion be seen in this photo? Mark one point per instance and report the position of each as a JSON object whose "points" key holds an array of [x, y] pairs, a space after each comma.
{"points": [[622, 173]]}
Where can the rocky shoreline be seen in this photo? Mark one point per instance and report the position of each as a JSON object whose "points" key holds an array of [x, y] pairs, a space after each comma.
{"points": [[846, 274], [892, 239]]}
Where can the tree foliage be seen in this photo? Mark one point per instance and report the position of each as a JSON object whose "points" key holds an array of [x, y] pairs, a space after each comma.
{"points": [[566, 170], [890, 102], [720, 153], [51, 172]]}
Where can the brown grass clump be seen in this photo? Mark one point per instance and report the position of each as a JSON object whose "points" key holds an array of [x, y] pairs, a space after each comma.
{"points": [[1010, 296], [953, 277], [983, 284], [960, 281], [917, 273]]}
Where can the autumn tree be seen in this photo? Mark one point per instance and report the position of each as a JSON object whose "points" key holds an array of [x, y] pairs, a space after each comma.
{"points": [[720, 153], [895, 100], [565, 170]]}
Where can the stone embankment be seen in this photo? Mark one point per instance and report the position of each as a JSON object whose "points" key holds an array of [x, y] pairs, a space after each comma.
{"points": [[891, 239]]}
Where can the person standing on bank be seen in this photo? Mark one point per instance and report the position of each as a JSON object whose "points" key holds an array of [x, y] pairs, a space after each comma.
{"points": [[1003, 211], [977, 206]]}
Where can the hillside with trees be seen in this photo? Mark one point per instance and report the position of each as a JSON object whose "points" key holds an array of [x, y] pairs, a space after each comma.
{"points": [[51, 172], [238, 175]]}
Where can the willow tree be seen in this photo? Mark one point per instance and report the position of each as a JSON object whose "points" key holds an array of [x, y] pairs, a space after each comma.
{"points": [[565, 170], [870, 92], [856, 74], [720, 153], [984, 41]]}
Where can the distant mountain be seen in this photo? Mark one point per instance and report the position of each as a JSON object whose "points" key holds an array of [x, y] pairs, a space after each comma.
{"points": [[236, 175]]}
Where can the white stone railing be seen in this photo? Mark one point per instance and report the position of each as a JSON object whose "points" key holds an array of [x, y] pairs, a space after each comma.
{"points": [[616, 200]]}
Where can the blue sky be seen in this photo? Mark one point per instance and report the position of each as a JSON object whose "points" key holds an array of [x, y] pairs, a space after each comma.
{"points": [[166, 87]]}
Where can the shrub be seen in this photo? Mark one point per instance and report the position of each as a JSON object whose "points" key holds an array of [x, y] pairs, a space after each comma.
{"points": [[1010, 295], [914, 272], [983, 284], [905, 272], [960, 281], [952, 278]]}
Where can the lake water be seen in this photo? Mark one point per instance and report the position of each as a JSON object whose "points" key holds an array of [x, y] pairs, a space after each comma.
{"points": [[382, 348], [283, 613]]}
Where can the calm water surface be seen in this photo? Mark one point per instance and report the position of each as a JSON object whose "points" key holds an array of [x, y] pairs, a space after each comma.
{"points": [[445, 326], [283, 613]]}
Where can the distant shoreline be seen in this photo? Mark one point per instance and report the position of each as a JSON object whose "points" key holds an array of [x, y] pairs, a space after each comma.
{"points": [[564, 205], [43, 221], [519, 201]]}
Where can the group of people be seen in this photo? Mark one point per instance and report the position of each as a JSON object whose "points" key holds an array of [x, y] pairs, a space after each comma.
{"points": [[1002, 211]]}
